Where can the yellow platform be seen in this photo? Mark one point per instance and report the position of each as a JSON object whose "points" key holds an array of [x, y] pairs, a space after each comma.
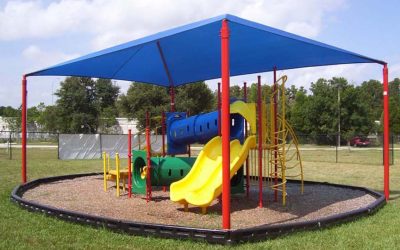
{"points": [[203, 183], [112, 174]]}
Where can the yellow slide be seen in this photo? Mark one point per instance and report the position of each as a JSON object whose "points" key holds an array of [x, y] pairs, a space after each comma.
{"points": [[204, 181]]}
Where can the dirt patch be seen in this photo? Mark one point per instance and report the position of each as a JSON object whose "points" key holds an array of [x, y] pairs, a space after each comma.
{"points": [[86, 195]]}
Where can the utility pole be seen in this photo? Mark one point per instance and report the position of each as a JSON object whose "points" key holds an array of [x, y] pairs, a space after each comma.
{"points": [[338, 142]]}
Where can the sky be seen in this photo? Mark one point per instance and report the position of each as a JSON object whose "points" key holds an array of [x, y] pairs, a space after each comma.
{"points": [[38, 34]]}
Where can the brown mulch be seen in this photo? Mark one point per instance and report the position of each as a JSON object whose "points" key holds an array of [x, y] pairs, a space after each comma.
{"points": [[85, 194]]}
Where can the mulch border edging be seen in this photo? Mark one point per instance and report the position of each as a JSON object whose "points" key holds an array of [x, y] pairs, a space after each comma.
{"points": [[180, 232]]}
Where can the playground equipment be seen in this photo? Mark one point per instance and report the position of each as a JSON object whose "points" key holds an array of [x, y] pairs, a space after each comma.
{"points": [[267, 146], [269, 143], [114, 174], [181, 132]]}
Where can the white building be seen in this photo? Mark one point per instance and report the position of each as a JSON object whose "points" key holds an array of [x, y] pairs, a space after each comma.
{"points": [[124, 124]]}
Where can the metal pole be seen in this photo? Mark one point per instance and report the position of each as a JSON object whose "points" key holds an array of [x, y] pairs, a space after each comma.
{"points": [[337, 145], [58, 146], [171, 82], [129, 163], [9, 145], [392, 150], [148, 158], [172, 95], [219, 108], [188, 147], [245, 135], [386, 130], [275, 132], [225, 127], [163, 139], [260, 136], [23, 128], [163, 132], [339, 114]]}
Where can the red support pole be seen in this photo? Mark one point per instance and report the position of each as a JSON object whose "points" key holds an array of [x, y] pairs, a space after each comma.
{"points": [[163, 132], [386, 131], [129, 163], [189, 149], [275, 121], [260, 142], [225, 127], [23, 127], [164, 188], [172, 95], [148, 156], [219, 108], [245, 135], [171, 82]]}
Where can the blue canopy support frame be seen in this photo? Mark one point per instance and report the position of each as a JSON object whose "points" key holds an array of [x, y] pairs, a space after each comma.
{"points": [[193, 53], [171, 81]]}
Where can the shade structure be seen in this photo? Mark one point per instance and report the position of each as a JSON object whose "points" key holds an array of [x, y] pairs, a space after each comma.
{"points": [[192, 53], [197, 52]]}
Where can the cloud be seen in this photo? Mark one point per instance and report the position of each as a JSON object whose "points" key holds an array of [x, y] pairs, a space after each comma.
{"points": [[38, 58], [104, 23], [354, 73], [111, 22]]}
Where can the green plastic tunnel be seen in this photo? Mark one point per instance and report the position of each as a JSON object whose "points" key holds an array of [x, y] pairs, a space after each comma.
{"points": [[164, 170]]}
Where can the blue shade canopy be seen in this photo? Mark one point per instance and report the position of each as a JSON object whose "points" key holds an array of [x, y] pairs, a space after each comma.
{"points": [[193, 53]]}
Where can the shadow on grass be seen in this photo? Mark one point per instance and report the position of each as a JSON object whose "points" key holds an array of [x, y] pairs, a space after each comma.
{"points": [[394, 195]]}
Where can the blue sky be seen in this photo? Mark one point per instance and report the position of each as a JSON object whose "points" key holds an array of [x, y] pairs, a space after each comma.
{"points": [[37, 34]]}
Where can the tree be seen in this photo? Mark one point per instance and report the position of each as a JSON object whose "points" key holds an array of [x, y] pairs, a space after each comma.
{"points": [[11, 116], [299, 115], [371, 92], [81, 103], [394, 106], [236, 92], [318, 113], [194, 98], [49, 118], [140, 98]]}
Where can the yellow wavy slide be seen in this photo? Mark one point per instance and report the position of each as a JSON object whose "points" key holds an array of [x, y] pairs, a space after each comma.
{"points": [[203, 183]]}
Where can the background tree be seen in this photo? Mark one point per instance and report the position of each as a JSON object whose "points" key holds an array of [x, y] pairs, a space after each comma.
{"points": [[394, 106], [81, 102], [49, 119], [371, 92], [299, 115], [141, 98], [11, 116], [195, 98]]}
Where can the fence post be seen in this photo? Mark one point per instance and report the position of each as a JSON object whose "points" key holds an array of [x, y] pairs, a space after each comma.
{"points": [[9, 146], [392, 139], [337, 147], [58, 146], [100, 144]]}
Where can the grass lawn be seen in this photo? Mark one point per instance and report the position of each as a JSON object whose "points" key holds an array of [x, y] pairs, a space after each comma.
{"points": [[20, 229]]}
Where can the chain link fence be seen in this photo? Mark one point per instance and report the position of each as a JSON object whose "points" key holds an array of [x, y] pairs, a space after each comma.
{"points": [[314, 148], [362, 149], [10, 143]]}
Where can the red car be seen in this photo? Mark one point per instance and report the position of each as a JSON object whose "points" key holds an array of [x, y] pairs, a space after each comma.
{"points": [[359, 142]]}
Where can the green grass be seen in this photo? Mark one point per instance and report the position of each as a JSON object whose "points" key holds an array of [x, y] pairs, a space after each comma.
{"points": [[20, 229]]}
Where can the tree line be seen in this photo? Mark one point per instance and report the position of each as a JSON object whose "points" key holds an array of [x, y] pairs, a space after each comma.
{"points": [[85, 105]]}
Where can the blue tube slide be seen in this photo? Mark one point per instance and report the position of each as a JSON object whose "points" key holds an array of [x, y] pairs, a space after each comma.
{"points": [[183, 130]]}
